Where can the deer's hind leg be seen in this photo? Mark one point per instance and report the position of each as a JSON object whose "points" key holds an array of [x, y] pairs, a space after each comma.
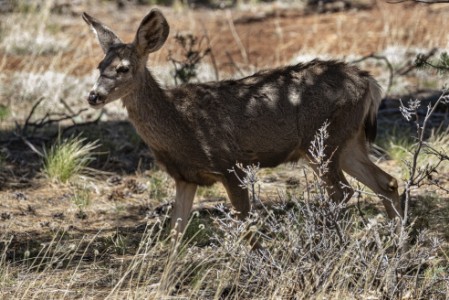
{"points": [[335, 182], [240, 201], [356, 162], [238, 196]]}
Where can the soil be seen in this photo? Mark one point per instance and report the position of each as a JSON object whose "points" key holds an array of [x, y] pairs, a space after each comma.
{"points": [[32, 208]]}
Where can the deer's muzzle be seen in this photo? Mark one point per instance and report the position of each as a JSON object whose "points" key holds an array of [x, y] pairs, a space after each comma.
{"points": [[95, 99]]}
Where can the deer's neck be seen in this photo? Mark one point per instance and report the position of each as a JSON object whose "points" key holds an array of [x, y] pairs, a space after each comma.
{"points": [[147, 97], [150, 110]]}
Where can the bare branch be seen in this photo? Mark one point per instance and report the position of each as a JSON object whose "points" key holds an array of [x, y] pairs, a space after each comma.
{"points": [[48, 119], [27, 120], [95, 121]]}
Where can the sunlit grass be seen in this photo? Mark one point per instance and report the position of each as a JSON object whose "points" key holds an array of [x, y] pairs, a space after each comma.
{"points": [[400, 147], [26, 86], [40, 36], [68, 158]]}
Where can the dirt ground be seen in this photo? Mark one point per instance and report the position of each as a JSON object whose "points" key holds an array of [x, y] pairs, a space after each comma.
{"points": [[122, 189]]}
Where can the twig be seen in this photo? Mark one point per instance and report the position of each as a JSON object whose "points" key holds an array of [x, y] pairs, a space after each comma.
{"points": [[414, 178], [66, 106], [85, 123], [31, 146], [437, 67], [211, 52], [233, 63], [237, 38], [423, 57], [27, 120], [46, 120]]}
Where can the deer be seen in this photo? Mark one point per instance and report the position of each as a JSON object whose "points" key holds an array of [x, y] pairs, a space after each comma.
{"points": [[197, 132]]}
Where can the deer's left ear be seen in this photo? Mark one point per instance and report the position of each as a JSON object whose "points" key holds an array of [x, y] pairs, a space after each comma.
{"points": [[105, 36], [152, 33]]}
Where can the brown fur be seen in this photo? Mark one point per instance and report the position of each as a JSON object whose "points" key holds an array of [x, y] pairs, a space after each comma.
{"points": [[198, 132]]}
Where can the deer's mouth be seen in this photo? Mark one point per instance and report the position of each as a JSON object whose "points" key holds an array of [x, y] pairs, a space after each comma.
{"points": [[96, 100], [97, 105]]}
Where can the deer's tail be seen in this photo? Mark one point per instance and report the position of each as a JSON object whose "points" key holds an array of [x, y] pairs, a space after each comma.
{"points": [[373, 97]]}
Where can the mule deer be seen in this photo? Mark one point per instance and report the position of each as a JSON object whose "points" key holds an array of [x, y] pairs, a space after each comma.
{"points": [[198, 132]]}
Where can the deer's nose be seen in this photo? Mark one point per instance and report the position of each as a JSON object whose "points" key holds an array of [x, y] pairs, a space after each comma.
{"points": [[92, 98]]}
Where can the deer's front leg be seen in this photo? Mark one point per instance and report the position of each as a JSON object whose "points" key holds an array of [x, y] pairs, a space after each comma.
{"points": [[185, 192]]}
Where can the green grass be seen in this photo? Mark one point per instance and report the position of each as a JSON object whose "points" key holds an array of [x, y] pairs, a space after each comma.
{"points": [[209, 192], [396, 141], [159, 185], [68, 158], [82, 200], [4, 112], [200, 229], [438, 141], [400, 146]]}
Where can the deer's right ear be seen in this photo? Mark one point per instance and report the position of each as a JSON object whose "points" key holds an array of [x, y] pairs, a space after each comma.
{"points": [[152, 32], [104, 35]]}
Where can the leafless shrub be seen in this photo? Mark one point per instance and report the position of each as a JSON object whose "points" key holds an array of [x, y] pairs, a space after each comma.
{"points": [[318, 248], [192, 54], [420, 174]]}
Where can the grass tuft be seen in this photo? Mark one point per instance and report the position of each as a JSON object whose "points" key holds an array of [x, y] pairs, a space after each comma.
{"points": [[68, 158], [400, 148]]}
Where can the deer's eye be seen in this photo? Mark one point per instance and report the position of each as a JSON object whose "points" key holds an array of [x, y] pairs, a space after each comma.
{"points": [[122, 69]]}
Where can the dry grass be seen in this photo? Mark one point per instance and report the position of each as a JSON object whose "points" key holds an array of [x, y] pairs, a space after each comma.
{"points": [[105, 236]]}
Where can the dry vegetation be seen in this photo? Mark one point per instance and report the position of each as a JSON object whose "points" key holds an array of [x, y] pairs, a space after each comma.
{"points": [[100, 231]]}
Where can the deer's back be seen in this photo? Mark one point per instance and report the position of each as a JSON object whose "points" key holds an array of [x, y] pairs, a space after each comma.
{"points": [[268, 118]]}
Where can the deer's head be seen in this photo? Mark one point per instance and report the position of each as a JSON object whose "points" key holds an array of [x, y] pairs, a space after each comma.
{"points": [[122, 62]]}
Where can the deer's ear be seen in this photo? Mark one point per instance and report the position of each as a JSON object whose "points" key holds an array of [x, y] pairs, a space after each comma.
{"points": [[152, 32], [104, 35]]}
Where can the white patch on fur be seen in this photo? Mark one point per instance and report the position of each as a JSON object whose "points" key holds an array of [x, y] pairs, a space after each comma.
{"points": [[294, 97]]}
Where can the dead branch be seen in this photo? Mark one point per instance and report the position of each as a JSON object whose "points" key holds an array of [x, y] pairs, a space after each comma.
{"points": [[27, 120], [27, 130], [97, 119], [48, 119]]}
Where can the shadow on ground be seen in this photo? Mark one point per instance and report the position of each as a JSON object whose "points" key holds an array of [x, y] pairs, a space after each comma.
{"points": [[121, 150]]}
